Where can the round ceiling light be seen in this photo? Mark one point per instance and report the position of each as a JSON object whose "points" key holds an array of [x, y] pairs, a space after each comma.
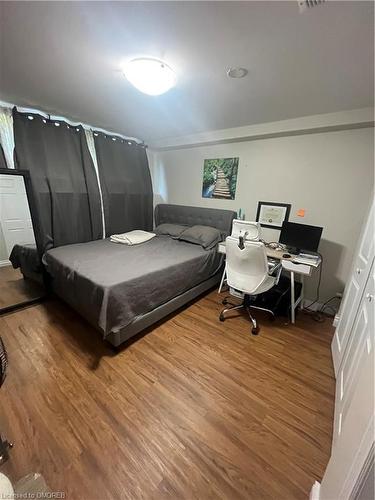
{"points": [[237, 72], [150, 76]]}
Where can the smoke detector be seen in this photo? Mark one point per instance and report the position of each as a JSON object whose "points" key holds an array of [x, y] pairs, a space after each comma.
{"points": [[237, 72], [308, 4]]}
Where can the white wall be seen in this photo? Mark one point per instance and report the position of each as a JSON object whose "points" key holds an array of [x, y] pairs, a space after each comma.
{"points": [[329, 174]]}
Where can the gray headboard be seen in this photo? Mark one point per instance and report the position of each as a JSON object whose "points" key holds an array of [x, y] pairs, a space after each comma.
{"points": [[191, 216]]}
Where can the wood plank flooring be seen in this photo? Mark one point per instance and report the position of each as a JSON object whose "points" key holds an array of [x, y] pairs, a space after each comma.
{"points": [[14, 289], [193, 409]]}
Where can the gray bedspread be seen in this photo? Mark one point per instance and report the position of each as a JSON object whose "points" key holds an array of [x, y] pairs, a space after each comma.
{"points": [[26, 257], [111, 284]]}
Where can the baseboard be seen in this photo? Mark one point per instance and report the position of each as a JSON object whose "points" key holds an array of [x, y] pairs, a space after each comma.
{"points": [[4, 263], [315, 491]]}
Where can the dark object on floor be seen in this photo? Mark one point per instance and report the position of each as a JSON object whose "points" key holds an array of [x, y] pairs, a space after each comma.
{"points": [[278, 298], [286, 256], [275, 301]]}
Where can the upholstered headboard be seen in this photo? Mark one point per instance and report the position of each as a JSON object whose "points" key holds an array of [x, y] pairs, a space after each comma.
{"points": [[191, 216]]}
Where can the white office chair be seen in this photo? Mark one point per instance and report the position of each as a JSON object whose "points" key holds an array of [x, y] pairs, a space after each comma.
{"points": [[248, 273], [249, 230]]}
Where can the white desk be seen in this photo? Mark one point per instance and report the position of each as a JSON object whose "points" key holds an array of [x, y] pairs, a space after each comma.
{"points": [[289, 265]]}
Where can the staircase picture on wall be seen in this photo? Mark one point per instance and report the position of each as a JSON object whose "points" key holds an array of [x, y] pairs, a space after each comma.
{"points": [[220, 178]]}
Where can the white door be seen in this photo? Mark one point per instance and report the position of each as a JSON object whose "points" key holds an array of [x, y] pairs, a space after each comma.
{"points": [[360, 347], [15, 218], [353, 292], [354, 407]]}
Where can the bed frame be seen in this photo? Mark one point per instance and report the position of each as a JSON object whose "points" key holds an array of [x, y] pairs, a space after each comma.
{"points": [[178, 214]]}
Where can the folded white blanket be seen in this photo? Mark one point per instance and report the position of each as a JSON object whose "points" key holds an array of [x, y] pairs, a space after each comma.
{"points": [[132, 237]]}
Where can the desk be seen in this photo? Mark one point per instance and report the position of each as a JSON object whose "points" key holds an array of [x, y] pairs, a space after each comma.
{"points": [[289, 264]]}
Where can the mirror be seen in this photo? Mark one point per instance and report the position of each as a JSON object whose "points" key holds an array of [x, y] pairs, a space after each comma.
{"points": [[21, 278]]}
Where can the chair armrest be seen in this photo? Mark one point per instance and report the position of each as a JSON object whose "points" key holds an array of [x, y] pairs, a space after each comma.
{"points": [[273, 265], [275, 270]]}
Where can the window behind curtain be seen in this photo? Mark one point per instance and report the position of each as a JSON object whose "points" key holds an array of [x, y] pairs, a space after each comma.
{"points": [[126, 184], [63, 179]]}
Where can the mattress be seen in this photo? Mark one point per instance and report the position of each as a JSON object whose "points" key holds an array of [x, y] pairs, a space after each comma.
{"points": [[111, 284]]}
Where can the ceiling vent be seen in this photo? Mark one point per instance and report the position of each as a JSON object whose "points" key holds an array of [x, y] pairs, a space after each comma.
{"points": [[308, 4]]}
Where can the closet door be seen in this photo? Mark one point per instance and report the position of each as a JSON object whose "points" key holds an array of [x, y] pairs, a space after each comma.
{"points": [[15, 218], [353, 292], [360, 349], [354, 408]]}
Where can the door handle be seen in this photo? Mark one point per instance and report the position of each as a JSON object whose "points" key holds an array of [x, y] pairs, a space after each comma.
{"points": [[369, 297]]}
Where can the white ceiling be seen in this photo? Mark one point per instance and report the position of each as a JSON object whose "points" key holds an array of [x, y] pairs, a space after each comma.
{"points": [[65, 58]]}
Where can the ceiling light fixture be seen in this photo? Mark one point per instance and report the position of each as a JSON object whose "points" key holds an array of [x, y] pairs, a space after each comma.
{"points": [[150, 76], [237, 72]]}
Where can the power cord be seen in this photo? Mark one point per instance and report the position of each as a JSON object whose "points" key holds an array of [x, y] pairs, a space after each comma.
{"points": [[325, 305], [319, 314]]}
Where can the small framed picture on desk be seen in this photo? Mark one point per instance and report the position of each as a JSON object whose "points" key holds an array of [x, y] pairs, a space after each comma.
{"points": [[272, 215]]}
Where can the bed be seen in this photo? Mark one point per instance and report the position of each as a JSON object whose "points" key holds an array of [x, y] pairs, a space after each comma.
{"points": [[26, 258], [122, 289]]}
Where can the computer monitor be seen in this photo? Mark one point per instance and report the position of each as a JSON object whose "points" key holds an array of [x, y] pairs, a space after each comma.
{"points": [[299, 237]]}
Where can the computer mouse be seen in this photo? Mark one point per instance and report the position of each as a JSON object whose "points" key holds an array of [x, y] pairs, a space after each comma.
{"points": [[286, 255]]}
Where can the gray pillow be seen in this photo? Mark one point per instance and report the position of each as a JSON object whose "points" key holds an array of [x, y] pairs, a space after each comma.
{"points": [[173, 230], [206, 236]]}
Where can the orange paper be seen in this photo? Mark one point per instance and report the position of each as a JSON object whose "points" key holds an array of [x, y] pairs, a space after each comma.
{"points": [[301, 212]]}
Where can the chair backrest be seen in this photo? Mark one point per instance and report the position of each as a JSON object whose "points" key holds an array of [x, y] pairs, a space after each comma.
{"points": [[240, 227], [247, 268]]}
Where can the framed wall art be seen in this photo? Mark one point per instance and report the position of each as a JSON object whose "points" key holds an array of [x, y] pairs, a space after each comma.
{"points": [[271, 214]]}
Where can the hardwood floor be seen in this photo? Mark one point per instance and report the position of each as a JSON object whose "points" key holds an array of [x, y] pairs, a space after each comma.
{"points": [[14, 289], [193, 409]]}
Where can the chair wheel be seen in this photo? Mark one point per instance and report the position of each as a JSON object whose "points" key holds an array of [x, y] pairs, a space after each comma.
{"points": [[255, 331], [221, 317]]}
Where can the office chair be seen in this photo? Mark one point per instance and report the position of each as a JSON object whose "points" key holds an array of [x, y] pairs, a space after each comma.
{"points": [[251, 229], [248, 274], [246, 229]]}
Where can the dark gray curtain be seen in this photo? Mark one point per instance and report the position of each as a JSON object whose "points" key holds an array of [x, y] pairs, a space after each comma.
{"points": [[63, 179], [126, 184], [3, 162]]}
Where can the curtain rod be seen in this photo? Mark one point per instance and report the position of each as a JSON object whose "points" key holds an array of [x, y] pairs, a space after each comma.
{"points": [[22, 109]]}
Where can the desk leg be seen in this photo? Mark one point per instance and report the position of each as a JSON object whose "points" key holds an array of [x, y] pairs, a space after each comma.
{"points": [[292, 299], [222, 280]]}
